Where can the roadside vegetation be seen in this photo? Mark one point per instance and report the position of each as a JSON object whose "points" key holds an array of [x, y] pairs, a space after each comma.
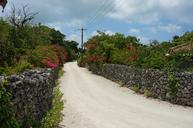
{"points": [[175, 55], [25, 45], [54, 116], [169, 57]]}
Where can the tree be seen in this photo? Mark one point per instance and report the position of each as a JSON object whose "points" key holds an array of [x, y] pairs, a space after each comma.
{"points": [[72, 49], [154, 43], [7, 51], [175, 37], [21, 17], [71, 45], [57, 37]]}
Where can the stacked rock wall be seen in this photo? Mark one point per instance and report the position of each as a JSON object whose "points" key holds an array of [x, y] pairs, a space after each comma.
{"points": [[154, 81], [31, 93]]}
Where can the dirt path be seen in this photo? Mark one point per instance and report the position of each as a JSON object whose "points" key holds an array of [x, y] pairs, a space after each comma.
{"points": [[95, 102]]}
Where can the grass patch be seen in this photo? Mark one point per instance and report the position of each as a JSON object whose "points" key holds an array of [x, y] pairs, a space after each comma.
{"points": [[54, 116], [135, 88], [120, 83], [60, 73], [148, 93], [16, 69]]}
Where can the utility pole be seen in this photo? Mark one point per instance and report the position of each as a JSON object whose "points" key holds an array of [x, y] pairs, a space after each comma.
{"points": [[82, 37]]}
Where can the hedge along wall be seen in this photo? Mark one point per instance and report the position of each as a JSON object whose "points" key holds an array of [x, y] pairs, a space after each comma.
{"points": [[176, 88], [31, 93]]}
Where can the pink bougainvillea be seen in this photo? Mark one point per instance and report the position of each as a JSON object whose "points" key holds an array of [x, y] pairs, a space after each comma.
{"points": [[49, 64], [50, 56]]}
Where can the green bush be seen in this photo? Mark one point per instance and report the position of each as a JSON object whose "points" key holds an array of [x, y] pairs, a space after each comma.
{"points": [[7, 119], [81, 61], [173, 84], [22, 66], [120, 56], [60, 73], [18, 68]]}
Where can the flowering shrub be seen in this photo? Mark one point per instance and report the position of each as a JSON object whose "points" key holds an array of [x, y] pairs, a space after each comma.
{"points": [[61, 53], [127, 50], [48, 63], [95, 59], [133, 57], [130, 47], [50, 56], [91, 45]]}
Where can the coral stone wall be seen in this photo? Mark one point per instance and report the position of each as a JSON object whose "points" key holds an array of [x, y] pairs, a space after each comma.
{"points": [[153, 80], [31, 93]]}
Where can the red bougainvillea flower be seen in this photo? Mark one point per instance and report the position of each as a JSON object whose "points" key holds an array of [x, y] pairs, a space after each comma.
{"points": [[48, 64], [61, 53], [130, 47], [133, 57], [95, 58]]}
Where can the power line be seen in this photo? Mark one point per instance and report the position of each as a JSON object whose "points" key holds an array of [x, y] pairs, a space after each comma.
{"points": [[101, 10], [108, 9], [105, 4]]}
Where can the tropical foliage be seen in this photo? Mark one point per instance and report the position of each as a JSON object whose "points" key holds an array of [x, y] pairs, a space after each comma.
{"points": [[32, 46], [127, 50], [24, 45]]}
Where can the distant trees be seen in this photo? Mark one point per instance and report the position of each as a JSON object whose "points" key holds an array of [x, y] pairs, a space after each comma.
{"points": [[176, 37], [72, 49], [57, 37]]}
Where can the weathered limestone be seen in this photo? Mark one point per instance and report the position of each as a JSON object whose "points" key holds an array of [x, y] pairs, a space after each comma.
{"points": [[31, 93], [153, 80]]}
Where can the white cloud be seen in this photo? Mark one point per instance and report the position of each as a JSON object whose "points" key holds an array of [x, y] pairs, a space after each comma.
{"points": [[74, 37], [170, 28], [133, 11], [134, 31], [109, 32], [152, 11], [153, 16], [57, 25], [143, 39], [94, 33]]}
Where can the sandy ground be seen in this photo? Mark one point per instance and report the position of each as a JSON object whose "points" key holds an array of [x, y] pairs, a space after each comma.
{"points": [[92, 101]]}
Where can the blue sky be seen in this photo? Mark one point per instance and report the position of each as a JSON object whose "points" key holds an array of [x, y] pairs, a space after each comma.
{"points": [[146, 19]]}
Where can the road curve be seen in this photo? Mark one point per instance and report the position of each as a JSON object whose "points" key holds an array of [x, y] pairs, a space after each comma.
{"points": [[92, 101]]}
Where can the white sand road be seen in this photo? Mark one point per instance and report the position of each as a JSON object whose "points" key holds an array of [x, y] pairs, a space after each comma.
{"points": [[92, 101]]}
